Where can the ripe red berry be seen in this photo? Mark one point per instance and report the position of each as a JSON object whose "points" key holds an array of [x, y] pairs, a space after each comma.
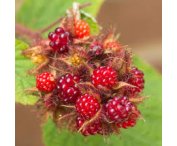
{"points": [[68, 92], [92, 129], [136, 79], [59, 40], [45, 82], [87, 106], [104, 76], [130, 122], [82, 29], [118, 109], [95, 49]]}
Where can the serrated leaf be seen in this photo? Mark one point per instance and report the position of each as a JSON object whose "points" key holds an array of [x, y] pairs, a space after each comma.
{"points": [[94, 27], [146, 133], [22, 79]]}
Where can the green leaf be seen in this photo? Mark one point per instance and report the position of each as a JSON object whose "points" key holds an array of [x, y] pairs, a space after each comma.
{"points": [[146, 133], [95, 28], [40, 13], [22, 79]]}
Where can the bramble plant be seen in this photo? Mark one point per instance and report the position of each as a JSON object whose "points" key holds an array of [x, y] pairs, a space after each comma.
{"points": [[86, 80], [88, 83]]}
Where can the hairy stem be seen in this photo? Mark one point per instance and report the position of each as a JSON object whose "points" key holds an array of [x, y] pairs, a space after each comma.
{"points": [[25, 32], [68, 106], [66, 116], [137, 100]]}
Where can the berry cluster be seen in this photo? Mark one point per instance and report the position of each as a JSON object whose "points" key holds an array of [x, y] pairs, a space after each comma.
{"points": [[83, 82]]}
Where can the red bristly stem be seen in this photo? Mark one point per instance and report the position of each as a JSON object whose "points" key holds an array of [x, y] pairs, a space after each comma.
{"points": [[25, 32]]}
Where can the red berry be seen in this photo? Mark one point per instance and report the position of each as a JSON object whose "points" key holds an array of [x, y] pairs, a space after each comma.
{"points": [[92, 129], [87, 106], [59, 40], [131, 121], [96, 49], [67, 90], [118, 109], [45, 82], [82, 29], [136, 79], [104, 76]]}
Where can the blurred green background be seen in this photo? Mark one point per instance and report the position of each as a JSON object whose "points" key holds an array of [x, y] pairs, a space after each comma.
{"points": [[139, 22]]}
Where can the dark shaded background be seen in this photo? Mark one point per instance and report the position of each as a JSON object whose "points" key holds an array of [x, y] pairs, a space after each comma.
{"points": [[140, 25]]}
